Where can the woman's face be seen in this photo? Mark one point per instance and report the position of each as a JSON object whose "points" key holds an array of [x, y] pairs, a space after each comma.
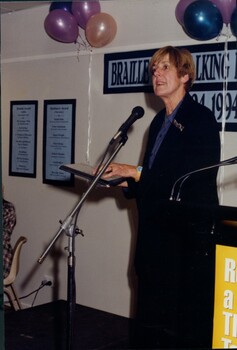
{"points": [[165, 80]]}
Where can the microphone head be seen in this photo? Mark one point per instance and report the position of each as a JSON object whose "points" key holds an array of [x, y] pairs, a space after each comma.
{"points": [[138, 112]]}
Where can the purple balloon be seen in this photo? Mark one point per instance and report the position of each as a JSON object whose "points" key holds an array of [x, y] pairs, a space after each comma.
{"points": [[83, 10], [226, 8], [180, 9], [61, 26]]}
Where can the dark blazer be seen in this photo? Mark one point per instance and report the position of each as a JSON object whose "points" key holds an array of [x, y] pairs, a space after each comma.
{"points": [[195, 147], [174, 254]]}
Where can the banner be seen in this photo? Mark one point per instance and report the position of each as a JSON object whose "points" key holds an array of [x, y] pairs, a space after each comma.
{"points": [[225, 304], [214, 87]]}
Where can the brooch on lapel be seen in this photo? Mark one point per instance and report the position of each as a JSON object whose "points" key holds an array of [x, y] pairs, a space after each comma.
{"points": [[178, 125]]}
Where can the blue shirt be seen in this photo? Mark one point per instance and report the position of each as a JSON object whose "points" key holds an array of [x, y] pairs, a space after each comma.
{"points": [[161, 134]]}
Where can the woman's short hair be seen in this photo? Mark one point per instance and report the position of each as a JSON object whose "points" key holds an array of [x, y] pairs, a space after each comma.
{"points": [[180, 58]]}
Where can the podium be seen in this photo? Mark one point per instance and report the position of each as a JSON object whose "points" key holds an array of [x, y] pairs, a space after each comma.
{"points": [[182, 253], [217, 220]]}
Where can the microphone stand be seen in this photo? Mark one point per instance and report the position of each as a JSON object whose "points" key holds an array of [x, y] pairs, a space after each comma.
{"points": [[71, 230]]}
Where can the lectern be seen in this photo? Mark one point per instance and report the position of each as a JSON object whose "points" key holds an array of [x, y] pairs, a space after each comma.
{"points": [[194, 232]]}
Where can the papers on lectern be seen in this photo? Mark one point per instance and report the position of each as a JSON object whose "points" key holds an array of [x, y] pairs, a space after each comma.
{"points": [[85, 171]]}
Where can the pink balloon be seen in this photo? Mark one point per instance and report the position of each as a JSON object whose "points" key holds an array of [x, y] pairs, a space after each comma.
{"points": [[100, 29], [226, 8], [83, 10], [61, 26], [180, 9]]}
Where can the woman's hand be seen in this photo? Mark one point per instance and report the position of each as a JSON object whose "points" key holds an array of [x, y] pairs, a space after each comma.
{"points": [[121, 170]]}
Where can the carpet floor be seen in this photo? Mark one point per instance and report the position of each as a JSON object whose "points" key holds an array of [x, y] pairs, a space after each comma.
{"points": [[44, 327]]}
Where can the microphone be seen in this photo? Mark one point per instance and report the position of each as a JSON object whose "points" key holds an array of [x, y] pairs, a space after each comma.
{"points": [[184, 177], [137, 113]]}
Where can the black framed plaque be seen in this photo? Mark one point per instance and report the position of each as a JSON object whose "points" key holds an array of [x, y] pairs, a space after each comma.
{"points": [[23, 138], [58, 140]]}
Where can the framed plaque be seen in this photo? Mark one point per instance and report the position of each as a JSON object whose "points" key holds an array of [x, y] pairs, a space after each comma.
{"points": [[58, 140], [23, 138]]}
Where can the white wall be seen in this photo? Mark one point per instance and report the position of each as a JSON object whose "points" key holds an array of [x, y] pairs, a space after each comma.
{"points": [[35, 67]]}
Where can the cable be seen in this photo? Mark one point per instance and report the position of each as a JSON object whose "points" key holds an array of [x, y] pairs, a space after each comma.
{"points": [[43, 284]]}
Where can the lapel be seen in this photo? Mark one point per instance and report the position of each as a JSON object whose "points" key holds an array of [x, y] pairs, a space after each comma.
{"points": [[176, 131], [184, 111]]}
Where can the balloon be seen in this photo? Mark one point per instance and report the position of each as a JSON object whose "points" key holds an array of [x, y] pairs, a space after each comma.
{"points": [[180, 9], [100, 29], [202, 20], [233, 22], [226, 8], [83, 10], [61, 26], [66, 6]]}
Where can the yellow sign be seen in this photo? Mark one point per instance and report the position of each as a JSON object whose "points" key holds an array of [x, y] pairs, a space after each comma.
{"points": [[225, 304]]}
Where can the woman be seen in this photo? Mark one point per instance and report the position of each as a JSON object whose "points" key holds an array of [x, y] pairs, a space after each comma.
{"points": [[175, 250]]}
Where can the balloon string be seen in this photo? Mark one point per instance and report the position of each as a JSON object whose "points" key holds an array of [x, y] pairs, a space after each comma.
{"points": [[89, 112], [81, 43], [225, 87]]}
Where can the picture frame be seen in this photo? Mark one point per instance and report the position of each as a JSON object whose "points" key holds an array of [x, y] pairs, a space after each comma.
{"points": [[58, 140], [23, 138]]}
